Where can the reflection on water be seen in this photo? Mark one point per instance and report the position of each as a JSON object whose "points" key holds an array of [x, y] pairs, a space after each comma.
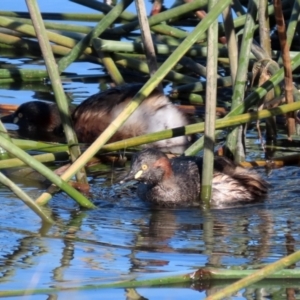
{"points": [[124, 237]]}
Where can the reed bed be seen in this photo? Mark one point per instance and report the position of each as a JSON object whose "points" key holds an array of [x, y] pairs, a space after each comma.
{"points": [[227, 64], [181, 56]]}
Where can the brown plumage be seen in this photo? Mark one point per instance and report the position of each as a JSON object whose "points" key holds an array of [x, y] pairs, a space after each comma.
{"points": [[93, 115], [176, 182]]}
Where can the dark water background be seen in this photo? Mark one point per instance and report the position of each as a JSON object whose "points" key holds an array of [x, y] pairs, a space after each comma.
{"points": [[124, 238]]}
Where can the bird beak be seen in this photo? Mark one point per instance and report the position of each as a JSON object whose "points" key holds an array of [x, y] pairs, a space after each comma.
{"points": [[138, 174], [131, 176]]}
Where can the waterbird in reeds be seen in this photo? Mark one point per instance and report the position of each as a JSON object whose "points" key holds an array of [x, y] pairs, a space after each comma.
{"points": [[94, 114], [36, 120], [176, 181]]}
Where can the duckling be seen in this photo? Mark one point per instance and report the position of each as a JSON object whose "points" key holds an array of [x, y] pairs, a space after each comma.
{"points": [[93, 115], [176, 182]]}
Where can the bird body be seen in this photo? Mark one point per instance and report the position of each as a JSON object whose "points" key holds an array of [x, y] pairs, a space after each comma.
{"points": [[93, 116], [156, 113], [176, 182]]}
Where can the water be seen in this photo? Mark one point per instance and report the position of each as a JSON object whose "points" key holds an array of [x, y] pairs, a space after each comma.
{"points": [[124, 238]]}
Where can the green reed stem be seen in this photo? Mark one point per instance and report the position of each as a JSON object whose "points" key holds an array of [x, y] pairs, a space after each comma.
{"points": [[35, 48], [85, 17], [23, 74], [98, 30], [128, 62], [256, 276], [252, 99], [58, 90], [234, 147], [232, 43], [163, 17], [43, 158], [105, 8], [53, 37], [143, 93], [25, 198], [199, 127], [39, 146], [110, 65], [292, 24], [210, 111], [59, 26], [201, 275], [26, 158], [164, 49]]}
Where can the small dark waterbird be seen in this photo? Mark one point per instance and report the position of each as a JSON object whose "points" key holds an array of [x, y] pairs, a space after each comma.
{"points": [[93, 115], [176, 182], [37, 120]]}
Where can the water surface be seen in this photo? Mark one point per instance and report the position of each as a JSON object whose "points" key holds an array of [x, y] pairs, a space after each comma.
{"points": [[125, 238]]}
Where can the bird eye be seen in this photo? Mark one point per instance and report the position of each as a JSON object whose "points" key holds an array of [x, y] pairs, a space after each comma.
{"points": [[144, 167], [20, 115]]}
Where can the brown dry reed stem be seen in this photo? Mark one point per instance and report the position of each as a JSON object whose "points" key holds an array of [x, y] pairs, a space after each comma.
{"points": [[252, 99], [288, 78], [58, 90], [147, 38]]}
